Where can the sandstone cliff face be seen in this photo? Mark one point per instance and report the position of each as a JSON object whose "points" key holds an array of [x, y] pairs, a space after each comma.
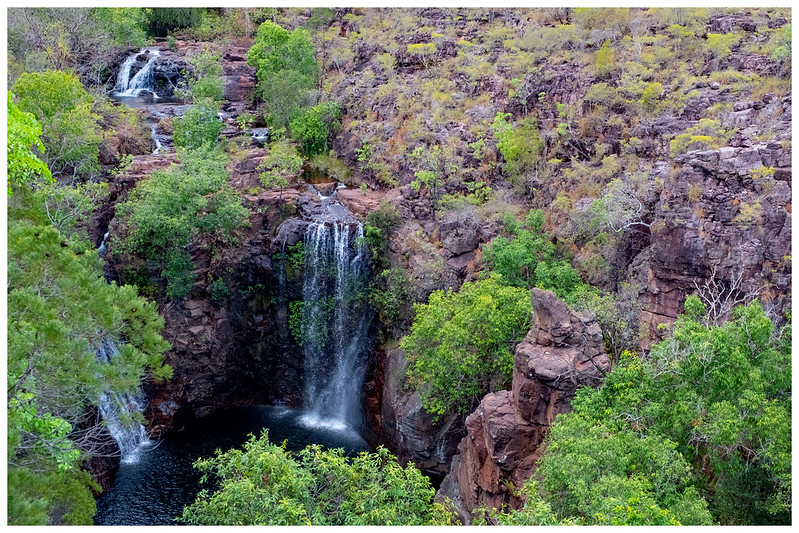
{"points": [[412, 433], [562, 351], [720, 218]]}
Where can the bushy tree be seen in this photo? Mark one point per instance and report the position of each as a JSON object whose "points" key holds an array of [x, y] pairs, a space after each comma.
{"points": [[206, 82], [71, 133], [286, 69], [605, 62], [166, 213], [263, 484], [200, 125], [166, 19], [282, 163], [520, 145], [24, 167], [314, 125], [60, 309], [526, 258], [461, 343]]}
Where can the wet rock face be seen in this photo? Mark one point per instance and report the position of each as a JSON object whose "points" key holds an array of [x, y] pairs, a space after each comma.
{"points": [[562, 351], [413, 433]]}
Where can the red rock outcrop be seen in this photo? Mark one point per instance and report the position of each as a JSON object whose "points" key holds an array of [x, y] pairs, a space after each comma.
{"points": [[562, 351]]}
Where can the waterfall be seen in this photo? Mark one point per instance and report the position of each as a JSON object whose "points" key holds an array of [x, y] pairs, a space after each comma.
{"points": [[117, 409], [335, 323], [143, 80]]}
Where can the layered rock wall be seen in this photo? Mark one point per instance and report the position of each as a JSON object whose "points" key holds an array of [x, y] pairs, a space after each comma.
{"points": [[562, 351]]}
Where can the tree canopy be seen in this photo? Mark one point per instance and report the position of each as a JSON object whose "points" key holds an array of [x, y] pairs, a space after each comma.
{"points": [[263, 484], [698, 432], [461, 343]]}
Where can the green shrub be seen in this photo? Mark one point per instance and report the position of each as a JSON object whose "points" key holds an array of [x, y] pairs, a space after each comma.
{"points": [[379, 227], [313, 126], [167, 212], [23, 165], [282, 163], [71, 132], [706, 135], [207, 76], [460, 345], [520, 146], [605, 62], [286, 69], [199, 126], [219, 291], [528, 259]]}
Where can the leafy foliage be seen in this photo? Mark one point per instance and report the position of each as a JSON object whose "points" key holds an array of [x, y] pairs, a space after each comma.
{"points": [[23, 134], [168, 211], [528, 259], [263, 484], [70, 130], [460, 344], [200, 125], [520, 145], [207, 79], [282, 163], [60, 308], [286, 69], [314, 125], [674, 436]]}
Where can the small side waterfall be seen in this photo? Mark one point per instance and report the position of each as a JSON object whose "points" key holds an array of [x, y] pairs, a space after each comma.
{"points": [[143, 80], [117, 410], [335, 323]]}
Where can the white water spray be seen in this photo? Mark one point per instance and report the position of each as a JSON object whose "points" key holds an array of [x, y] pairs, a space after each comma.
{"points": [[117, 411], [143, 80], [335, 324]]}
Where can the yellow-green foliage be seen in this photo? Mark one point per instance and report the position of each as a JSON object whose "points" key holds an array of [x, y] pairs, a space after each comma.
{"points": [[762, 172], [650, 96], [707, 135], [605, 62], [748, 214], [718, 44], [422, 50]]}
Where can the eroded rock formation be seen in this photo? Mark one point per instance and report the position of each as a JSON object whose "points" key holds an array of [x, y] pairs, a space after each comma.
{"points": [[562, 351]]}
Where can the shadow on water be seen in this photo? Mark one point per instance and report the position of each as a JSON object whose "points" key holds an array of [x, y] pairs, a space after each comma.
{"points": [[154, 490]]}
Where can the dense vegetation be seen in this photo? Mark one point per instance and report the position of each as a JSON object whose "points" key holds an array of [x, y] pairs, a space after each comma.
{"points": [[60, 311], [263, 484], [697, 433], [167, 212], [555, 133]]}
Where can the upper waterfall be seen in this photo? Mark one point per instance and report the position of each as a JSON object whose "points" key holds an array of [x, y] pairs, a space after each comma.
{"points": [[143, 80]]}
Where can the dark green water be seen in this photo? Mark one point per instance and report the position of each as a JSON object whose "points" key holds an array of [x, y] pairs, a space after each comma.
{"points": [[153, 490]]}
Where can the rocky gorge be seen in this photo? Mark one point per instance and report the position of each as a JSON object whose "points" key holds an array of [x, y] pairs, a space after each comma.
{"points": [[223, 354], [448, 143]]}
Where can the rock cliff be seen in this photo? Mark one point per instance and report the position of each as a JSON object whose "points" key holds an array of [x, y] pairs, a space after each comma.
{"points": [[562, 351]]}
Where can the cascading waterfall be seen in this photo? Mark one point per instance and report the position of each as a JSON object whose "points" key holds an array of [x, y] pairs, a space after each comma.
{"points": [[335, 323], [117, 410], [143, 80]]}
